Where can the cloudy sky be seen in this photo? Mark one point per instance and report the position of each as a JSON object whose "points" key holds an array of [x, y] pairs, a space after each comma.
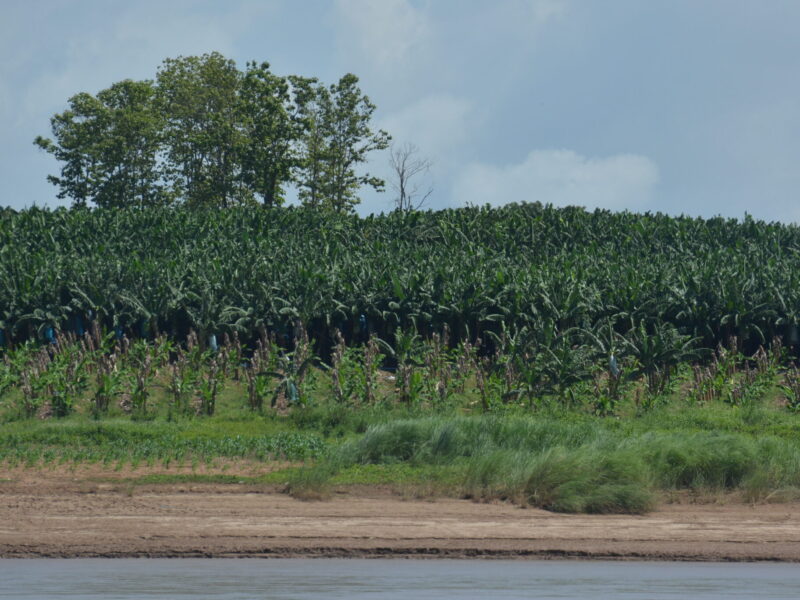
{"points": [[661, 105]]}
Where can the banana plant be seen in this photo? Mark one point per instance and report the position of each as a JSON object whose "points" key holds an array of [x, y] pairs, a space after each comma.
{"points": [[656, 351], [290, 377], [563, 365]]}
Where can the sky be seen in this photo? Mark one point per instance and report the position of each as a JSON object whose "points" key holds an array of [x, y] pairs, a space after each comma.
{"points": [[675, 106]]}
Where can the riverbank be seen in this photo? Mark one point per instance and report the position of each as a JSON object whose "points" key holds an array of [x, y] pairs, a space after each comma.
{"points": [[92, 513]]}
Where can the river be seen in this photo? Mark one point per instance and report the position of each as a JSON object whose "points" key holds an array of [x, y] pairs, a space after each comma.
{"points": [[234, 579]]}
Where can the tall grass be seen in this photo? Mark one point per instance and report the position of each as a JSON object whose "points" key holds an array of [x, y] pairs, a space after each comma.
{"points": [[437, 439], [576, 466], [563, 480]]}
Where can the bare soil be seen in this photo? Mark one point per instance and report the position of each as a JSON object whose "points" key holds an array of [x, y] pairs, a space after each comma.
{"points": [[91, 513]]}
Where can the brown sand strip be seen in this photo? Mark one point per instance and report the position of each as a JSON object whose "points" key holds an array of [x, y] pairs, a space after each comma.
{"points": [[82, 519]]}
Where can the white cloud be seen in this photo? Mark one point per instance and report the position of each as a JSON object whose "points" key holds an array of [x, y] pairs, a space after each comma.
{"points": [[437, 124], [541, 11], [562, 178], [132, 44], [381, 33]]}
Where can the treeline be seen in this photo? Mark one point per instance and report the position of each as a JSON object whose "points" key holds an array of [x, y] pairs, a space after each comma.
{"points": [[205, 133]]}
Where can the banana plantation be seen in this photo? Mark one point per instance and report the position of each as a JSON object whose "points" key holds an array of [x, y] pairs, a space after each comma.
{"points": [[534, 298]]}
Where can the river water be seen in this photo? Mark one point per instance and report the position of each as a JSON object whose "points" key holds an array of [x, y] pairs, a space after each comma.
{"points": [[229, 579]]}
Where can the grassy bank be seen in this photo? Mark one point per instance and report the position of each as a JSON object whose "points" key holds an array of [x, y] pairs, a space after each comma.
{"points": [[560, 459]]}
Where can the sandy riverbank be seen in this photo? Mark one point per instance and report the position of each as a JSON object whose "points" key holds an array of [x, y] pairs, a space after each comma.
{"points": [[73, 514]]}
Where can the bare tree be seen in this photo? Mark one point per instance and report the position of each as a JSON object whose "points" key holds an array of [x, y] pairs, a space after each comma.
{"points": [[409, 170]]}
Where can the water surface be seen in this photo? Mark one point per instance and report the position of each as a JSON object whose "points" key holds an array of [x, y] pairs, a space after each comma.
{"points": [[234, 579]]}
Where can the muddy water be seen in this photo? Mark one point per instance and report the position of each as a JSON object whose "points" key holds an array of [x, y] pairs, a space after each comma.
{"points": [[229, 579]]}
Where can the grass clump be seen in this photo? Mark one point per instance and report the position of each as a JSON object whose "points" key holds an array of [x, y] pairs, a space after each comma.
{"points": [[695, 461], [563, 480], [311, 483]]}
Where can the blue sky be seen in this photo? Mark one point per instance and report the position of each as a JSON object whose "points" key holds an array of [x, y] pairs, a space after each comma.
{"points": [[676, 106]]}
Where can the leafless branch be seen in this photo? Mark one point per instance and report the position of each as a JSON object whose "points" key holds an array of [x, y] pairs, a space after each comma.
{"points": [[408, 167]]}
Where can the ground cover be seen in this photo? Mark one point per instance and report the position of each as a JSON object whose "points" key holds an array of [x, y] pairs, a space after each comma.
{"points": [[562, 452]]}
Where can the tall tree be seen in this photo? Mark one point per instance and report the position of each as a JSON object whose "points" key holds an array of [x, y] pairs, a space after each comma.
{"points": [[74, 132], [129, 147], [338, 139], [199, 99], [108, 145], [313, 155], [272, 127]]}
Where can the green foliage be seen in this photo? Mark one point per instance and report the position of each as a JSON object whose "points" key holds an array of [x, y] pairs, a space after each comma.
{"points": [[108, 147], [187, 404], [354, 371], [213, 136], [656, 352], [291, 376], [577, 466], [475, 271], [272, 126], [198, 99], [338, 139], [791, 390], [481, 310], [574, 481], [698, 461]]}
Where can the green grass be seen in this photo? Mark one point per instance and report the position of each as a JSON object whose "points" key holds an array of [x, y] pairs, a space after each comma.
{"points": [[563, 480], [554, 457], [121, 442], [570, 464]]}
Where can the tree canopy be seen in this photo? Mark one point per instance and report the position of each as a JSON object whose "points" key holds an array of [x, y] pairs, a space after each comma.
{"points": [[205, 133]]}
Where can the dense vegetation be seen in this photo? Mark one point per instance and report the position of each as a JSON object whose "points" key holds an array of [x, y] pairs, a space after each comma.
{"points": [[479, 350], [538, 274]]}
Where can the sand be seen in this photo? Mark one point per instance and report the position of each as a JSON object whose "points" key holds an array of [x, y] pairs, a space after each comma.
{"points": [[90, 514]]}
